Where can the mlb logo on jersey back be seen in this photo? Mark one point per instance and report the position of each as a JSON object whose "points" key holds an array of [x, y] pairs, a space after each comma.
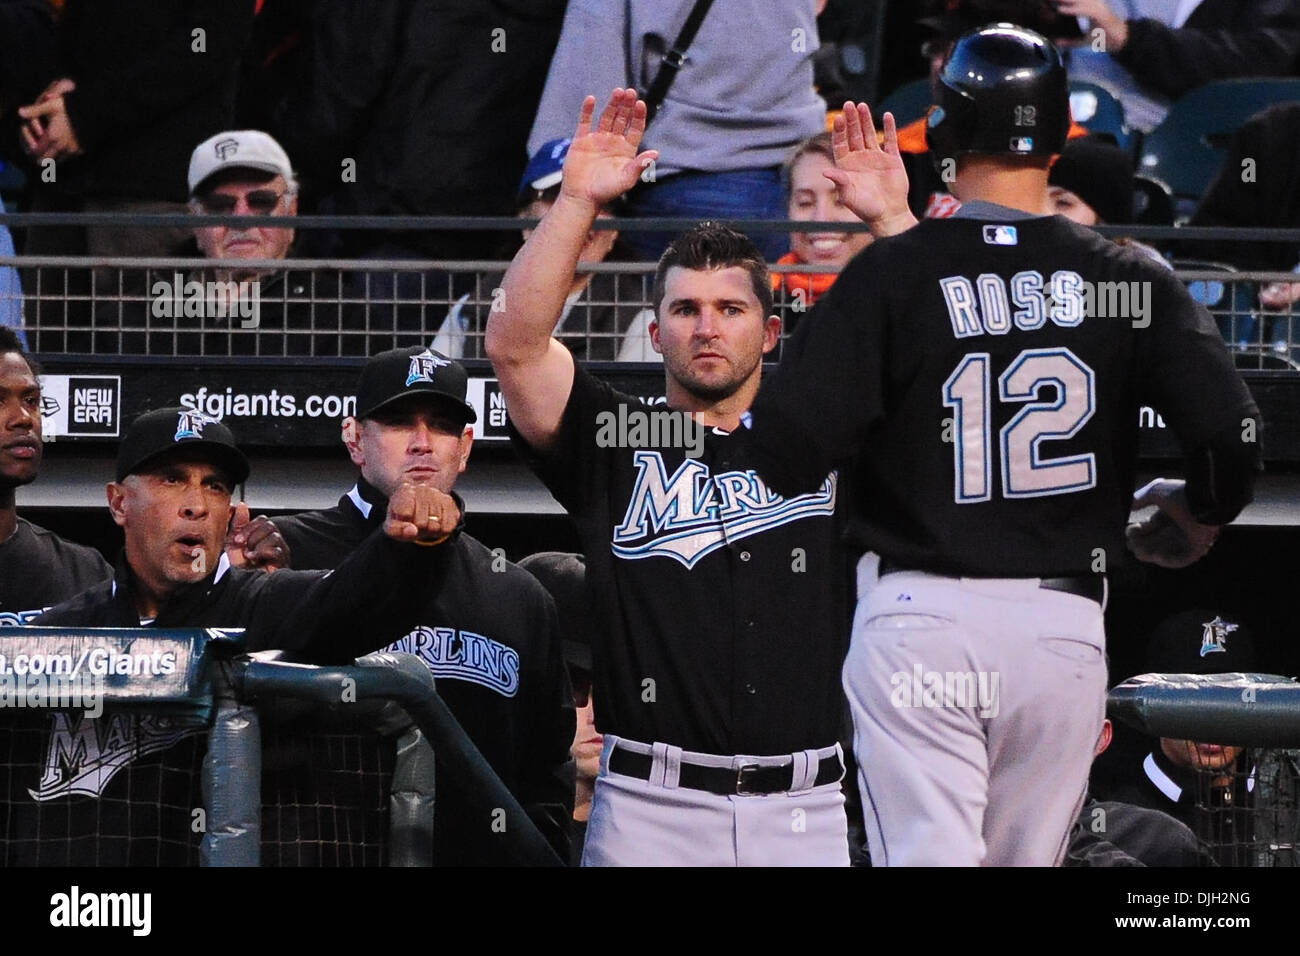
{"points": [[1000, 235], [1022, 144]]}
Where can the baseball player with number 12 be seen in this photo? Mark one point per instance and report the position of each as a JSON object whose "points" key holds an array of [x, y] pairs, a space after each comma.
{"points": [[993, 426]]}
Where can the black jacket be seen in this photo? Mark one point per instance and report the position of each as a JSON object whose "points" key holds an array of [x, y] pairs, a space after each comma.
{"points": [[1221, 39], [371, 599], [1221, 817], [140, 768], [491, 637], [432, 99], [39, 569], [26, 66], [1270, 196], [146, 95], [1121, 834]]}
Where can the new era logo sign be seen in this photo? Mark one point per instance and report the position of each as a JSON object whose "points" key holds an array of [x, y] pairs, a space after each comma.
{"points": [[494, 411], [93, 404], [1000, 235], [81, 406]]}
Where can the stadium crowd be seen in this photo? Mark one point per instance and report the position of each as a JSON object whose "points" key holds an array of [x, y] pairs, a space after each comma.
{"points": [[282, 108]]}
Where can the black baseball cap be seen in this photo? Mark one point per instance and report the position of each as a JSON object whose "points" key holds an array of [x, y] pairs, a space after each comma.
{"points": [[157, 434], [1201, 640], [397, 373], [564, 575]]}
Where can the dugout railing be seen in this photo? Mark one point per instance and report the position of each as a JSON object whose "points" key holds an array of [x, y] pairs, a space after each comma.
{"points": [[330, 308], [219, 758], [327, 308], [1246, 814]]}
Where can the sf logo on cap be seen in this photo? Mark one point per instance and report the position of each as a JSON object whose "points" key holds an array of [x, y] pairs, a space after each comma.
{"points": [[225, 148], [423, 366], [1214, 634], [190, 425]]}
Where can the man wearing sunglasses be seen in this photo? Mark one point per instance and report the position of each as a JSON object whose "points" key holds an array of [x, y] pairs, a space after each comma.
{"points": [[242, 173], [243, 310]]}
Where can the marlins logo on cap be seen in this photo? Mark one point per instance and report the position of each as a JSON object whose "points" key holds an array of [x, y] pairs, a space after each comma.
{"points": [[399, 374], [190, 425], [184, 432], [424, 365], [1214, 635]]}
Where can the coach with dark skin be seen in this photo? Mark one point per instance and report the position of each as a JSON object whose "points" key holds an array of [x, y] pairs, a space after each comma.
{"points": [[489, 634], [176, 471], [37, 567]]}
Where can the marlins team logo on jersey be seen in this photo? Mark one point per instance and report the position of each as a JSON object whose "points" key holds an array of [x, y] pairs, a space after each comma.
{"points": [[465, 656], [190, 425], [693, 513], [423, 366], [1214, 636], [85, 753]]}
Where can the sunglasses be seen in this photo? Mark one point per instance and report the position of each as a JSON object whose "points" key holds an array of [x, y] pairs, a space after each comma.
{"points": [[261, 202]]}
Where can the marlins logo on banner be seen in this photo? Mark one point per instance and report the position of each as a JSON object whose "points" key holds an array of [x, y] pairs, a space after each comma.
{"points": [[1214, 635], [423, 366], [693, 513], [85, 753]]}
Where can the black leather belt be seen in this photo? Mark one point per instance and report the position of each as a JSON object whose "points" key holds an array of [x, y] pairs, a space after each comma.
{"points": [[748, 780], [1090, 586]]}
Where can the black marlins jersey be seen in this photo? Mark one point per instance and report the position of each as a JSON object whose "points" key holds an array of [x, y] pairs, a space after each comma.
{"points": [[490, 636], [722, 620], [989, 371], [38, 569]]}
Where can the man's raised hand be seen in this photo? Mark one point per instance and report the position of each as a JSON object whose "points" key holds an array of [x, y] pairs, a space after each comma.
{"points": [[870, 177], [422, 514], [603, 162], [255, 543]]}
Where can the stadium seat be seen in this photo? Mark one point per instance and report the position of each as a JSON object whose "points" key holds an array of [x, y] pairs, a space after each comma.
{"points": [[1259, 341], [1094, 108], [908, 102], [1187, 149], [1153, 202]]}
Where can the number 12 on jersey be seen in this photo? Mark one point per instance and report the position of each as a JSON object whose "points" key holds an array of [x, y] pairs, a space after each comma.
{"points": [[1025, 472]]}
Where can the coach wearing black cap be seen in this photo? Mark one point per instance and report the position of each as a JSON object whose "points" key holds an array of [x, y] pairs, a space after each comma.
{"points": [[489, 634], [176, 471], [1206, 785]]}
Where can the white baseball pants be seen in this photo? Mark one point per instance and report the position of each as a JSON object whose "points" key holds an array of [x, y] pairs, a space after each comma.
{"points": [[976, 705]]}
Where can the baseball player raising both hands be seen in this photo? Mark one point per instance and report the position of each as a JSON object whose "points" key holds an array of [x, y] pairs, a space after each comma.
{"points": [[722, 608], [992, 416]]}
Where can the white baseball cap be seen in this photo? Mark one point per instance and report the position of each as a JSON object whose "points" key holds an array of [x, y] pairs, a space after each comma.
{"points": [[237, 149]]}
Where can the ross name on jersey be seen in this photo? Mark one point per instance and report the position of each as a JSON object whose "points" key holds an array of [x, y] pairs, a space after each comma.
{"points": [[990, 305]]}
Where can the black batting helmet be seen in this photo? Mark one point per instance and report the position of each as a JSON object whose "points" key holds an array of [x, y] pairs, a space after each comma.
{"points": [[1003, 91]]}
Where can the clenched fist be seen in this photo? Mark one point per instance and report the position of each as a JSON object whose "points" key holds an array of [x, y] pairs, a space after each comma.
{"points": [[422, 514]]}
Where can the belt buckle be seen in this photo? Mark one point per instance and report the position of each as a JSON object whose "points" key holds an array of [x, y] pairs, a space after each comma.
{"points": [[741, 788]]}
